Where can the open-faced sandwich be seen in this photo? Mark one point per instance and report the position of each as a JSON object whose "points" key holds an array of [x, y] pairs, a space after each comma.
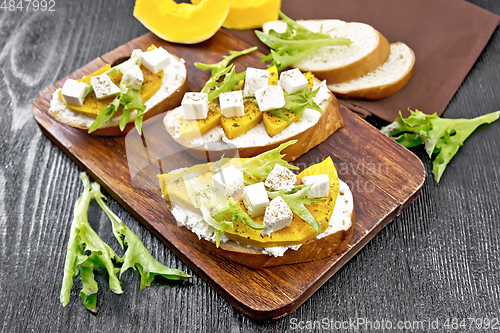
{"points": [[112, 100], [257, 212], [254, 111]]}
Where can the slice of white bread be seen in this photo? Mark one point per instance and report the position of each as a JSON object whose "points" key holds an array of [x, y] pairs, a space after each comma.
{"points": [[369, 50], [334, 240], [312, 129], [169, 96], [383, 81]]}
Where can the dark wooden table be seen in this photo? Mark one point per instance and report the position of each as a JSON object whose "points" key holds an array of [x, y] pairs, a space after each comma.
{"points": [[438, 261]]}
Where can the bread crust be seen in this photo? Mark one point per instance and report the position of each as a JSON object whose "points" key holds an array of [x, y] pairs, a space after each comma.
{"points": [[358, 68], [172, 101], [313, 249], [380, 91], [329, 122]]}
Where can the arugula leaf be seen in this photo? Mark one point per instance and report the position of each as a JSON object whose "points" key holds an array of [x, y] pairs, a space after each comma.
{"points": [[296, 199], [440, 136], [213, 87], [136, 255], [297, 103], [295, 43], [257, 168]]}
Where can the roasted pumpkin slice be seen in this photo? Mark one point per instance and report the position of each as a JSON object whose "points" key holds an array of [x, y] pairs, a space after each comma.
{"points": [[310, 79], [236, 126], [273, 75], [297, 233], [192, 129], [275, 124]]}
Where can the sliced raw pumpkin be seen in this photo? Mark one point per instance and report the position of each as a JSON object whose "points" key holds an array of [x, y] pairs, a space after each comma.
{"points": [[251, 14], [297, 233], [236, 126], [192, 129], [184, 22]]}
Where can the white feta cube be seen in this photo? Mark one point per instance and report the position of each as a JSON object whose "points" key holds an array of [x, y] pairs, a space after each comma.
{"points": [[280, 178], [195, 105], [254, 80], [103, 86], [255, 199], [137, 53], [73, 91], [230, 182], [133, 77], [155, 60], [277, 216], [126, 65], [270, 98], [293, 80], [231, 104], [320, 185], [323, 93]]}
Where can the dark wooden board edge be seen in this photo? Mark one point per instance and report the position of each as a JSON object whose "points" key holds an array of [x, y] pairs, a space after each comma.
{"points": [[251, 312]]}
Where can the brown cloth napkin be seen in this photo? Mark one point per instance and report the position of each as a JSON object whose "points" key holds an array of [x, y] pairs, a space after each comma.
{"points": [[447, 37]]}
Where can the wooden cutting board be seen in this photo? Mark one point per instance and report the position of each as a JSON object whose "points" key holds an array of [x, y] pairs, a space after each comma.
{"points": [[384, 178]]}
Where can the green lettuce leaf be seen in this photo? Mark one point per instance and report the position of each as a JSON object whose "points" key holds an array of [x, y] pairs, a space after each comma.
{"points": [[105, 114], [89, 284], [88, 251], [132, 99], [231, 80], [83, 239], [295, 43], [257, 168], [88, 90], [221, 69], [238, 215], [129, 98], [297, 103], [296, 199], [209, 200], [136, 255], [441, 137]]}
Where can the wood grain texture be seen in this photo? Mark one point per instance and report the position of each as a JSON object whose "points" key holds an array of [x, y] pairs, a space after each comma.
{"points": [[438, 259], [383, 177]]}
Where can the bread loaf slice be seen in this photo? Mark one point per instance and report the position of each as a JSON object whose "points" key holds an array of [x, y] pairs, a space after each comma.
{"points": [[369, 50], [383, 81]]}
